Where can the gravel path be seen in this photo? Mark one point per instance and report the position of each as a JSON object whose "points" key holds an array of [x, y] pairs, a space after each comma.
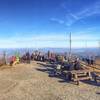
{"points": [[31, 82]]}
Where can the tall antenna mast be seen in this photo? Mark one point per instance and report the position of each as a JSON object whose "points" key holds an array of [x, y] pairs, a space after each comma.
{"points": [[70, 41]]}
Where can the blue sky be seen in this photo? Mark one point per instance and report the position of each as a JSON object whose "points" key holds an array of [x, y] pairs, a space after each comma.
{"points": [[47, 23]]}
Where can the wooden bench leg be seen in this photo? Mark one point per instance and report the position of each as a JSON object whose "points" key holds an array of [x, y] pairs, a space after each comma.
{"points": [[76, 78], [77, 82], [89, 75]]}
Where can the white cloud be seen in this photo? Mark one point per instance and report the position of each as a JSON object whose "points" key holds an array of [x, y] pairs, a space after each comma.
{"points": [[57, 20], [71, 18], [86, 12]]}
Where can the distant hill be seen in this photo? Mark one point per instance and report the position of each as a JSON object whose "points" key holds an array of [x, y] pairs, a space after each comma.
{"points": [[11, 51]]}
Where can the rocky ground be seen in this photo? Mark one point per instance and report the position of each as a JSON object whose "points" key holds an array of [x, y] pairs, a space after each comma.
{"points": [[32, 82]]}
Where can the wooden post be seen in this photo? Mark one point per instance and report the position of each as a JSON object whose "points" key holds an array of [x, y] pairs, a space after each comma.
{"points": [[4, 58]]}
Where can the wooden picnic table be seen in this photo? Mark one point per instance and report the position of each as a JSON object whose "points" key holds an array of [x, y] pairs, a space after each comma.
{"points": [[95, 69], [77, 75], [82, 74]]}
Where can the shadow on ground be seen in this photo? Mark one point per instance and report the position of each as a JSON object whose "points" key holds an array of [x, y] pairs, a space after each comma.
{"points": [[98, 93], [49, 68], [91, 82]]}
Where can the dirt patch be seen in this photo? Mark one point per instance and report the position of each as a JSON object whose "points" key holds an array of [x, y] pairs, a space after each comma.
{"points": [[25, 82], [7, 85]]}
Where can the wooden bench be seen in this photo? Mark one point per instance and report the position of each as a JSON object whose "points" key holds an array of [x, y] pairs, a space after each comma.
{"points": [[97, 76], [96, 71], [77, 75]]}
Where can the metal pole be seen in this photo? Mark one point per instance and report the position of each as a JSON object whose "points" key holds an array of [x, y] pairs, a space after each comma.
{"points": [[70, 41]]}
